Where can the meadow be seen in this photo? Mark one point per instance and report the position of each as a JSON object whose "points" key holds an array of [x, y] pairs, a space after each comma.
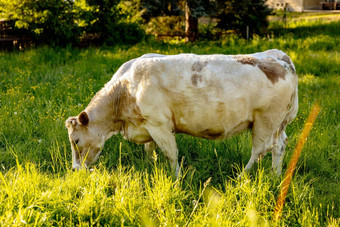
{"points": [[40, 88]]}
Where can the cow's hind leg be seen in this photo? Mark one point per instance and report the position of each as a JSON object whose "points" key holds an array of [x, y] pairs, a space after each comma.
{"points": [[278, 151], [166, 141], [262, 138]]}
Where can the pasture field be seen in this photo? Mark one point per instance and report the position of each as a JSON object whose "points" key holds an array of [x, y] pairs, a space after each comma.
{"points": [[41, 88]]}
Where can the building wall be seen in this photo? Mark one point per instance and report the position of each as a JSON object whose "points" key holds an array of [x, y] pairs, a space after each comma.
{"points": [[295, 5], [312, 4]]}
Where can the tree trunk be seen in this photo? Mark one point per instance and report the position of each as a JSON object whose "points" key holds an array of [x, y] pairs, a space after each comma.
{"points": [[191, 24]]}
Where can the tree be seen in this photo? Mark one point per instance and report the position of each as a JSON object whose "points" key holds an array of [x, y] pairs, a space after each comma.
{"points": [[238, 14], [192, 9], [48, 21], [155, 8], [110, 20], [232, 14], [60, 22]]}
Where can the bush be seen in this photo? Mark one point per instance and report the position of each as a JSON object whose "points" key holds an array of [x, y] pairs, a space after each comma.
{"points": [[166, 25], [124, 33]]}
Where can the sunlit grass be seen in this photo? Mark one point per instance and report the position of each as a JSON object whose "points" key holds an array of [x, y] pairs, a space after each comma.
{"points": [[126, 196], [40, 88]]}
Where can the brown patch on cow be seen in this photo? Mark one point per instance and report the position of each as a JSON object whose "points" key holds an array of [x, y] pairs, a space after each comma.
{"points": [[195, 79], [273, 70], [269, 66], [124, 104], [246, 59], [286, 59], [198, 66]]}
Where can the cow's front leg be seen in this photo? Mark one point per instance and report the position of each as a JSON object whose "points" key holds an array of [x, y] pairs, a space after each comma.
{"points": [[149, 148], [166, 141]]}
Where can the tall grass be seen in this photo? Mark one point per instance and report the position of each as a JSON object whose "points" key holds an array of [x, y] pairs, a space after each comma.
{"points": [[40, 88], [126, 196]]}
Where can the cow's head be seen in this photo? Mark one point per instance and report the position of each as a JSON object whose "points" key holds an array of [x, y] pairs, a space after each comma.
{"points": [[86, 140]]}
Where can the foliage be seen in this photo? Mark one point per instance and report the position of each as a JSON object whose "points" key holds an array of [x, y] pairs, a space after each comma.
{"points": [[176, 9], [40, 88], [49, 21], [201, 8], [62, 22], [131, 11], [232, 14], [238, 14], [166, 25], [155, 8], [105, 18]]}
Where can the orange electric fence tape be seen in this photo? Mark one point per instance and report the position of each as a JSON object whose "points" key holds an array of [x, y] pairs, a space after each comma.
{"points": [[291, 167]]}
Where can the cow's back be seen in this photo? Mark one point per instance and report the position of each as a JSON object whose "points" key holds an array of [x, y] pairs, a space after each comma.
{"points": [[211, 96]]}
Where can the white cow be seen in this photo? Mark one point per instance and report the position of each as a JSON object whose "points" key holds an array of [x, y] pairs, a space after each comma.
{"points": [[152, 97]]}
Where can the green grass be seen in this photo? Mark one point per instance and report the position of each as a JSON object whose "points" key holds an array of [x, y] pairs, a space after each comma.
{"points": [[40, 88]]}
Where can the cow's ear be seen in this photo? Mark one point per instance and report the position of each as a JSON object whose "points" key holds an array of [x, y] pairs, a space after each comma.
{"points": [[83, 118]]}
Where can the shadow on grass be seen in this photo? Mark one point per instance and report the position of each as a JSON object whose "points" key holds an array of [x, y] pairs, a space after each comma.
{"points": [[306, 31]]}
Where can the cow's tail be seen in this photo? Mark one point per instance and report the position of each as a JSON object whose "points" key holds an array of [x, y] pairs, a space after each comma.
{"points": [[294, 102], [280, 137], [293, 107]]}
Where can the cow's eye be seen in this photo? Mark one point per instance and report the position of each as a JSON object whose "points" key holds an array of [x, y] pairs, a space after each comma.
{"points": [[75, 142]]}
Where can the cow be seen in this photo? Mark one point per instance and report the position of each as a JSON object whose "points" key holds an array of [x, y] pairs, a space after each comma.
{"points": [[153, 97]]}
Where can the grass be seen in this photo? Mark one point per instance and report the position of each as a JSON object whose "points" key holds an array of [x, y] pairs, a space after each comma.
{"points": [[40, 88]]}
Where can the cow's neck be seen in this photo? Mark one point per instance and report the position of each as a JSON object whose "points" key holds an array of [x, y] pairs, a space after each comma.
{"points": [[104, 109]]}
